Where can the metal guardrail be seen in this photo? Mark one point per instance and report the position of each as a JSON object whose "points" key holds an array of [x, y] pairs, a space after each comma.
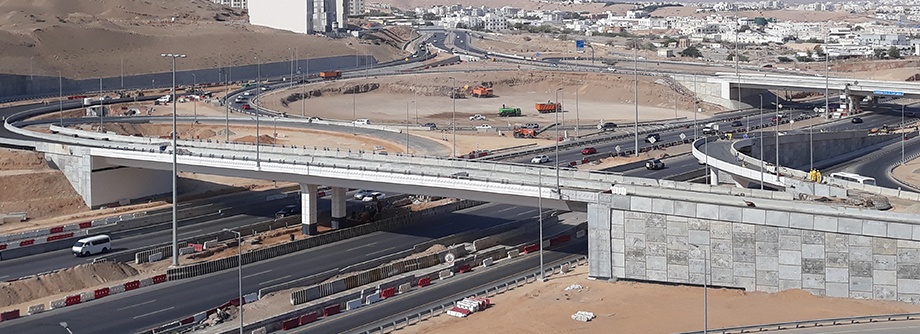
{"points": [[812, 323], [404, 320]]}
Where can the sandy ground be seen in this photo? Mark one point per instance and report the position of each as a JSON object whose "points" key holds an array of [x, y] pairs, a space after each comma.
{"points": [[908, 173], [91, 38], [641, 308]]}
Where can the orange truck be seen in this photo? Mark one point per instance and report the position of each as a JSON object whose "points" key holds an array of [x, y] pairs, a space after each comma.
{"points": [[330, 75], [481, 92], [548, 107]]}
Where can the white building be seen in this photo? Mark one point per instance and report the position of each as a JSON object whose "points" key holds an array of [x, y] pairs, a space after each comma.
{"points": [[355, 7], [299, 16], [494, 22]]}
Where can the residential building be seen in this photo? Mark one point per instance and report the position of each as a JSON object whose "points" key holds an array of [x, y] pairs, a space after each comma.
{"points": [[300, 16], [355, 7]]}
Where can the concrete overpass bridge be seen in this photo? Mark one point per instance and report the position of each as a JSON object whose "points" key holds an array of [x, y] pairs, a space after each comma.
{"points": [[638, 228], [854, 89]]}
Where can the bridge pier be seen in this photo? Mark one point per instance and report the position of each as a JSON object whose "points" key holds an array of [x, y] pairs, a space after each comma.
{"points": [[338, 207], [308, 209]]}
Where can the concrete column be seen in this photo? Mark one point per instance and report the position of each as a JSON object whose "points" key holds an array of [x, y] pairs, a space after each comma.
{"points": [[338, 207], [308, 209], [713, 176]]}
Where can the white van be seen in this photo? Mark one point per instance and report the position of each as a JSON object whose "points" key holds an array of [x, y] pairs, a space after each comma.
{"points": [[92, 245]]}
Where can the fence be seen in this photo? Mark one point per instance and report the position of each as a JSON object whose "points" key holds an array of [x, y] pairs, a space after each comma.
{"points": [[407, 319], [323, 239]]}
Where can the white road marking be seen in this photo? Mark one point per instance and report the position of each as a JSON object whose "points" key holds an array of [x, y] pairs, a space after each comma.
{"points": [[381, 251], [526, 212], [275, 280], [154, 312], [190, 232], [258, 273], [506, 209], [4, 276], [136, 305], [362, 246]]}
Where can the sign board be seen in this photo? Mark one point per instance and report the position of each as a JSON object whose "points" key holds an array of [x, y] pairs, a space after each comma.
{"points": [[652, 140], [617, 148], [683, 136], [887, 93], [580, 45]]}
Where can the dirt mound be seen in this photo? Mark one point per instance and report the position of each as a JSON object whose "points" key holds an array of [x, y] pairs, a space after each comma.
{"points": [[67, 280], [263, 139], [10, 160], [40, 194]]}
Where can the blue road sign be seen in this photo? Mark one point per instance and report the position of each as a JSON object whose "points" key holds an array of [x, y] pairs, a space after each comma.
{"points": [[580, 44], [887, 93]]}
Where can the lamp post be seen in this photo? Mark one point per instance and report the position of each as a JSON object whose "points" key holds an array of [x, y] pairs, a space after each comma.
{"points": [[576, 110], [195, 89], [61, 97], [291, 78], [453, 122], [227, 101], [256, 109], [354, 102], [706, 264], [303, 94], [175, 169], [122, 71], [761, 141], [556, 142], [407, 127], [695, 108], [636, 91], [902, 137], [239, 271], [102, 108], [777, 138], [540, 220], [30, 68]]}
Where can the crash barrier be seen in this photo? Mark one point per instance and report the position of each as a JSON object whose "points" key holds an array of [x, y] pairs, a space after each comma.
{"points": [[322, 239], [9, 315], [812, 323], [305, 281], [366, 277], [549, 217], [41, 233], [411, 318], [36, 309]]}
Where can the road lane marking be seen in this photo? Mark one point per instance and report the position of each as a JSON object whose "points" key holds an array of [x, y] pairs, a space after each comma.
{"points": [[154, 312], [506, 209], [258, 273], [381, 251], [4, 276], [362, 246], [190, 232], [526, 212], [136, 305], [275, 280]]}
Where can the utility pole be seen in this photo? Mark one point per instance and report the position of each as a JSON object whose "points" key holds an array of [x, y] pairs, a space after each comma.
{"points": [[175, 165], [636, 91]]}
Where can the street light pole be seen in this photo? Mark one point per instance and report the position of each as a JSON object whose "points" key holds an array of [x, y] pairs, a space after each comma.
{"points": [[761, 141], [256, 109], [239, 271], [61, 97], [102, 108], [407, 127], [777, 137], [576, 111], [303, 93], [902, 137], [453, 123], [175, 169], [540, 219], [636, 91], [195, 89], [556, 141], [227, 100]]}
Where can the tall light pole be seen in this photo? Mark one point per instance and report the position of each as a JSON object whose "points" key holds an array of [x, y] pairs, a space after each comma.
{"points": [[354, 102], [291, 78], [30, 68], [122, 71], [227, 100], [902, 137], [557, 109], [761, 141], [303, 93], [407, 127], [256, 109], [636, 91], [576, 109], [696, 108], [827, 57], [706, 264], [777, 137], [175, 169], [61, 97], [453, 121], [101, 108], [195, 89], [239, 270]]}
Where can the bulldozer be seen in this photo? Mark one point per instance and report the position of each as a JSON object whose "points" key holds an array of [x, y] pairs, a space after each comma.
{"points": [[525, 133]]}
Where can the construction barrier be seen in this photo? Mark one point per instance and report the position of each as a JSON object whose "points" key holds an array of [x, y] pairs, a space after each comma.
{"points": [[308, 318], [426, 281], [531, 248], [290, 324], [487, 262], [132, 285], [513, 253], [406, 287], [187, 320], [559, 240], [197, 247], [159, 279], [86, 225], [331, 310], [99, 293], [27, 242], [387, 293], [353, 304], [116, 289], [56, 229], [372, 299], [36, 309], [87, 296], [444, 274], [9, 315], [146, 282], [72, 300], [55, 304]]}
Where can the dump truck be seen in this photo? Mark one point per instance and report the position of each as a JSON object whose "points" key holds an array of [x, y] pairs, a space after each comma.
{"points": [[481, 92], [509, 112], [525, 133], [330, 75], [548, 107]]}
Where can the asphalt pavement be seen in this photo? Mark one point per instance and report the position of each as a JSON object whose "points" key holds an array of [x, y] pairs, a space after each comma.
{"points": [[459, 286], [149, 307], [893, 327]]}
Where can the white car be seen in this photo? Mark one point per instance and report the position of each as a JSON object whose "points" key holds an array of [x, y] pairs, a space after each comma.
{"points": [[540, 159], [247, 93], [477, 117], [484, 126], [362, 193], [373, 196]]}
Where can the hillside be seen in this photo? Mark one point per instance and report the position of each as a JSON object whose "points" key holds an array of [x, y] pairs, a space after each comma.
{"points": [[90, 38]]}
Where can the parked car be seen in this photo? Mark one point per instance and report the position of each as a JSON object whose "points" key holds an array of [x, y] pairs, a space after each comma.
{"points": [[737, 124], [430, 125], [856, 120], [289, 210], [588, 150], [484, 126], [607, 126], [362, 193], [649, 138], [654, 164], [540, 159]]}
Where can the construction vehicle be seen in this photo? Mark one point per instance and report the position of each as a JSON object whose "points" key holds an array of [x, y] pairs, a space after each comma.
{"points": [[525, 133], [548, 107], [481, 92], [330, 75], [509, 112]]}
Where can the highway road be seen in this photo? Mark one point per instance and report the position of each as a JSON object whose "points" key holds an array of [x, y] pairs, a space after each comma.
{"points": [[459, 286], [894, 327], [150, 307]]}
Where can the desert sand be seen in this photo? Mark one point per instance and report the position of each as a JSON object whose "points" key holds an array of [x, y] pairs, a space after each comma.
{"points": [[627, 307]]}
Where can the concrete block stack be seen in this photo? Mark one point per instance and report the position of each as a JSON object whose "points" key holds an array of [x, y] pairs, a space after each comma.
{"points": [[583, 316]]}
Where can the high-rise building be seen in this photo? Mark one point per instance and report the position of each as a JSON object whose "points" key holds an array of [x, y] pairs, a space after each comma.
{"points": [[303, 16], [233, 3], [355, 7]]}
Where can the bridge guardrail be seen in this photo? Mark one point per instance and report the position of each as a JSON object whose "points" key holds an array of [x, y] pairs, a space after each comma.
{"points": [[812, 323]]}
